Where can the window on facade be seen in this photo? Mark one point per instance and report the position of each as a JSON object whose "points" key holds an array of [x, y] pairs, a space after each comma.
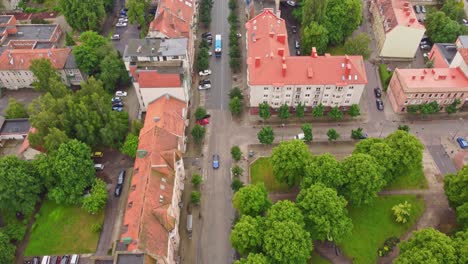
{"points": [[461, 95], [307, 95], [277, 97], [316, 96], [298, 89], [289, 88], [430, 95], [416, 95], [265, 88], [276, 104], [265, 95], [325, 95], [351, 87], [328, 88], [422, 95], [406, 102], [347, 102], [265, 101], [435, 95], [277, 88], [315, 102], [325, 102], [317, 89], [349, 95], [308, 88], [298, 96], [340, 89], [288, 95]]}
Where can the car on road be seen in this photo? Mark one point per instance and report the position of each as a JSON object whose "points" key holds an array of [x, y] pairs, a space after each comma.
{"points": [[291, 3], [65, 259], [215, 161], [379, 104], [118, 190], [204, 84], [298, 52], [363, 136], [97, 154], [239, 35], [296, 44], [377, 92], [121, 178], [123, 19], [204, 73], [121, 24], [121, 93], [294, 29], [115, 37], [424, 46], [116, 99], [423, 9], [210, 53], [300, 136], [117, 108], [206, 34], [462, 142], [417, 9], [117, 104]]}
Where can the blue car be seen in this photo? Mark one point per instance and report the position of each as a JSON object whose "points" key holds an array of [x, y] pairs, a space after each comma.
{"points": [[215, 161], [462, 142], [117, 108]]}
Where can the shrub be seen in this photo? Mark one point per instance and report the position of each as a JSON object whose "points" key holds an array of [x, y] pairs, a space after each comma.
{"points": [[197, 180], [236, 184], [402, 212], [389, 244], [385, 75], [236, 153], [96, 227], [195, 197], [237, 171], [15, 231]]}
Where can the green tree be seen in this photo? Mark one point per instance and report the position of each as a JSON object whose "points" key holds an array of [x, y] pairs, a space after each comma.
{"points": [[453, 9], [365, 145], [363, 179], [235, 106], [325, 213], [440, 28], [195, 197], [314, 35], [404, 128], [247, 235], [323, 169], [288, 161], [313, 11], [452, 108], [266, 135], [332, 134], [203, 62], [200, 113], [342, 18], [237, 171], [236, 153], [357, 134], [427, 246], [236, 92], [136, 126], [251, 200], [385, 156], [197, 180], [307, 130], [354, 110], [402, 212], [318, 110], [413, 109], [15, 109], [430, 108], [112, 71], [284, 211], [236, 184], [253, 259], [83, 15], [15, 231], [136, 11], [20, 187], [97, 199], [408, 150], [69, 41], [460, 242], [335, 113], [198, 133], [73, 172], [287, 242], [7, 250], [300, 110], [130, 145], [54, 139], [264, 111], [456, 187], [91, 52], [43, 72], [429, 64], [283, 112], [358, 45]]}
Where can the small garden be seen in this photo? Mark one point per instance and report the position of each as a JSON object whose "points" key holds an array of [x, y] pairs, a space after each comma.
{"points": [[385, 75], [262, 172], [64, 229]]}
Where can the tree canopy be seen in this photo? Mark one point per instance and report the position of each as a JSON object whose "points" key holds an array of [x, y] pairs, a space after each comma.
{"points": [[253, 259], [264, 111], [7, 250], [325, 169], [283, 112], [456, 189], [407, 149], [247, 235], [266, 135], [43, 72], [325, 213], [358, 45], [332, 134], [130, 145], [96, 200], [289, 160], [307, 130], [440, 28], [284, 211], [91, 52], [83, 15], [251, 200], [15, 109], [314, 35]]}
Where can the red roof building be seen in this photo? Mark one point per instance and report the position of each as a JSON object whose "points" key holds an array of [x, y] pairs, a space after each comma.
{"points": [[277, 78], [173, 18], [152, 214]]}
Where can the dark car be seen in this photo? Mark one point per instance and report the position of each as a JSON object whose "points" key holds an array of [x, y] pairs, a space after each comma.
{"points": [[215, 161], [121, 178], [118, 190], [117, 108], [116, 99], [294, 29], [379, 104], [65, 259], [204, 82], [118, 104], [462, 142], [206, 34], [377, 92]]}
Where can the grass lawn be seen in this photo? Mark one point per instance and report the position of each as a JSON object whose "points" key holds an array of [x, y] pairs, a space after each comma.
{"points": [[317, 259], [63, 230], [413, 179], [374, 223], [336, 50], [261, 171]]}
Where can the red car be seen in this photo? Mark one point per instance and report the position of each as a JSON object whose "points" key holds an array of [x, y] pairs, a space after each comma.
{"points": [[203, 122]]}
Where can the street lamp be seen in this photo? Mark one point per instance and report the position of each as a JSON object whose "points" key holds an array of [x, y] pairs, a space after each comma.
{"points": [[458, 129], [282, 132]]}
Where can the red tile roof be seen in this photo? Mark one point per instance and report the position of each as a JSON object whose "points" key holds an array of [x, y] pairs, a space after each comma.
{"points": [[436, 55], [398, 13], [433, 80], [20, 59], [270, 63], [173, 18], [148, 219], [153, 79]]}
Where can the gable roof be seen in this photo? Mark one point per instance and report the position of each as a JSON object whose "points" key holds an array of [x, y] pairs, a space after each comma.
{"points": [[20, 59], [154, 79], [433, 80], [398, 13], [173, 18]]}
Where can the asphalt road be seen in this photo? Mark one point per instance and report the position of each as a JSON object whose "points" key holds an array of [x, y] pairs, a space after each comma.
{"points": [[442, 159], [217, 211]]}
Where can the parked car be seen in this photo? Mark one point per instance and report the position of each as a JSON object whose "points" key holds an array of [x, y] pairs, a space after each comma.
{"points": [[115, 37], [121, 178], [417, 9], [204, 73], [116, 99], [117, 108], [74, 259], [296, 44], [65, 259], [97, 154], [377, 92], [215, 161], [117, 104], [423, 9], [123, 19], [204, 84], [291, 3], [363, 136], [465, 22], [462, 142], [210, 53], [99, 166], [121, 93], [299, 136], [121, 24], [294, 29], [206, 34], [118, 190], [379, 104], [239, 35], [203, 122], [424, 46], [298, 52]]}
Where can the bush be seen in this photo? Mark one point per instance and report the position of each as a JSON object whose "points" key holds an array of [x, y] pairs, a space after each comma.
{"points": [[195, 197], [96, 228], [402, 212], [389, 244], [385, 75], [237, 171], [15, 231], [236, 153], [197, 180], [236, 184]]}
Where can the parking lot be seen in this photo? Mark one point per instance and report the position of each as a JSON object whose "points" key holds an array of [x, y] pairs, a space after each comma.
{"points": [[292, 26]]}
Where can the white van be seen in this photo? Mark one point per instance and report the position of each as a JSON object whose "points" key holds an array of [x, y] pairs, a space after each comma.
{"points": [[45, 260], [99, 167], [75, 259], [299, 136]]}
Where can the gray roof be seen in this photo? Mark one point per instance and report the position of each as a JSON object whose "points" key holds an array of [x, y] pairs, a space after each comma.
{"points": [[33, 32], [44, 45], [70, 63], [4, 19], [15, 126], [123, 258], [464, 40], [448, 50], [156, 47]]}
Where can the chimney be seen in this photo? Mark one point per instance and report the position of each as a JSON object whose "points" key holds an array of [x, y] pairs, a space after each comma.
{"points": [[310, 72], [412, 20], [406, 4], [284, 68], [407, 13], [414, 77], [422, 77], [281, 51], [313, 54], [257, 62], [348, 69], [156, 119], [281, 38], [405, 9]]}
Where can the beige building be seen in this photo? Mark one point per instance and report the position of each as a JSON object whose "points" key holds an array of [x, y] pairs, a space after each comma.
{"points": [[15, 63], [396, 28], [276, 78]]}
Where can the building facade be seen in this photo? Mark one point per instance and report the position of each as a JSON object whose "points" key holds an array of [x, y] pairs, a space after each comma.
{"points": [[276, 78], [392, 22]]}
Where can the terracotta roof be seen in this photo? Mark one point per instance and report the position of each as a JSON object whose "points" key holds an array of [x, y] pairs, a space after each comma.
{"points": [[433, 80], [270, 63], [147, 218], [20, 59], [443, 54], [153, 79], [173, 18], [397, 13]]}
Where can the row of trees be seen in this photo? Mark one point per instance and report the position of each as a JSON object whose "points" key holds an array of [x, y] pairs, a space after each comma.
{"points": [[236, 102], [432, 108], [138, 14], [284, 113], [205, 12], [234, 47], [85, 15]]}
